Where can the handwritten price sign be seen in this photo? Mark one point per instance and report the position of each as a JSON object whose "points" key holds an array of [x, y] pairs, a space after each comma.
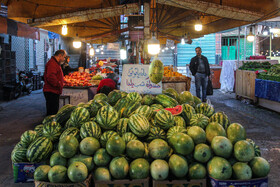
{"points": [[135, 78]]}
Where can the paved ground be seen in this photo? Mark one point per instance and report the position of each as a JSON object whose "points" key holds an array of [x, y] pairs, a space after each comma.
{"points": [[26, 112]]}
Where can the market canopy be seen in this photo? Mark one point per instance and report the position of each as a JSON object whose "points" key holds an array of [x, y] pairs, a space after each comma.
{"points": [[98, 21]]}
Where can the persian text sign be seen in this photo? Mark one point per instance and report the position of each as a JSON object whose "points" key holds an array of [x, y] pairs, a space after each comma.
{"points": [[135, 78]]}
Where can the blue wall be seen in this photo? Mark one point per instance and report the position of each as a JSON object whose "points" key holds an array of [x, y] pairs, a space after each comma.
{"points": [[187, 51]]}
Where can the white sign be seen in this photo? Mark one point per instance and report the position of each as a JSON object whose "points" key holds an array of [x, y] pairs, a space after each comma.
{"points": [[113, 46], [135, 78]]}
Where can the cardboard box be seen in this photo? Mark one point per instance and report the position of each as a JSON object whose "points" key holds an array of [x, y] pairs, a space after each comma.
{"points": [[85, 183], [123, 183], [180, 183], [258, 182], [24, 172]]}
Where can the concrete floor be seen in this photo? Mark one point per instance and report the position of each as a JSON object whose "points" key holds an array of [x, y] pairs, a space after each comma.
{"points": [[26, 112]]}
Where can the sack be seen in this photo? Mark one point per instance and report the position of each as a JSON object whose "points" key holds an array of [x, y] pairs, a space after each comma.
{"points": [[209, 90]]}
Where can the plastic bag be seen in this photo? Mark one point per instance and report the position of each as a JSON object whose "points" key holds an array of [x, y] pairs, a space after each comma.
{"points": [[209, 89]]}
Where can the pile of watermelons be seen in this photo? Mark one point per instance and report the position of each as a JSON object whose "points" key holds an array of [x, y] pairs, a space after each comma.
{"points": [[126, 135]]}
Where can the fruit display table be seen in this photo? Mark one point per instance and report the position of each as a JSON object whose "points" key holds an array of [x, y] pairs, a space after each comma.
{"points": [[180, 85], [80, 94]]}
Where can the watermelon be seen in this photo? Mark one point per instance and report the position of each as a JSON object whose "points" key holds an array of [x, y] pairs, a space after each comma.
{"points": [[87, 160], [214, 129], [158, 149], [159, 169], [19, 145], [236, 132], [244, 151], [139, 125], [177, 110], [148, 100], [199, 120], [145, 110], [48, 119], [156, 71], [174, 130], [221, 118], [70, 124], [156, 107], [156, 133], [122, 126], [171, 92], [128, 136], [102, 174], [188, 112], [179, 121], [89, 146], [256, 148], [64, 114], [90, 129], [197, 134], [124, 94], [27, 138], [166, 101], [130, 109], [221, 146], [121, 105], [81, 104], [41, 173], [106, 136], [178, 166], [39, 149], [19, 155], [39, 130], [139, 169], [107, 117], [79, 116], [135, 149], [57, 159], [52, 131], [146, 154], [164, 119], [202, 153], [219, 168], [181, 143], [115, 146], [101, 157], [119, 167], [100, 96], [186, 98], [113, 97], [196, 100], [197, 171], [73, 131], [134, 97], [241, 171], [260, 167], [77, 172], [68, 146], [205, 109], [57, 174]]}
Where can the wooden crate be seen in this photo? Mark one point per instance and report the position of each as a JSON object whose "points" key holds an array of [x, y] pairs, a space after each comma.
{"points": [[180, 183], [123, 183], [179, 86], [245, 84]]}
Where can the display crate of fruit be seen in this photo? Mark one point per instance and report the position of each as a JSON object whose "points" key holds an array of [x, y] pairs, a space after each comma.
{"points": [[122, 183], [258, 182], [168, 183]]}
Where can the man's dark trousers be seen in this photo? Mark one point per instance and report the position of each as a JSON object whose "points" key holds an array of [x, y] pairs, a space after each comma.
{"points": [[52, 103]]}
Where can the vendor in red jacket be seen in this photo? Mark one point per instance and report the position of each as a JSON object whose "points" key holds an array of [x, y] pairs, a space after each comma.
{"points": [[53, 78], [107, 85]]}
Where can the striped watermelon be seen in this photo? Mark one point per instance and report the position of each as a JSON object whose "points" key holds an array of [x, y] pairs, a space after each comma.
{"points": [[199, 120], [81, 104], [174, 130], [156, 71], [164, 119], [39, 150], [145, 110], [100, 96], [128, 136], [52, 131], [39, 130], [19, 155], [124, 94], [79, 116], [134, 97], [107, 117], [148, 100], [27, 138], [156, 133], [186, 97], [130, 108], [121, 105], [221, 118], [187, 113], [139, 125], [153, 123], [256, 147], [71, 131], [48, 119], [156, 106], [171, 92], [70, 124], [179, 121], [19, 145], [64, 114], [106, 136], [92, 109], [205, 109], [196, 101], [166, 101], [113, 97], [90, 129], [146, 154], [123, 126]]}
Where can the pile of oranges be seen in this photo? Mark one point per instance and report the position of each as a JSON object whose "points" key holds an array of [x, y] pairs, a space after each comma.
{"points": [[169, 72]]}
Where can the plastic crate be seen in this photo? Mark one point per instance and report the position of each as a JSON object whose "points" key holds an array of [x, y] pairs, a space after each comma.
{"points": [[24, 172], [258, 182]]}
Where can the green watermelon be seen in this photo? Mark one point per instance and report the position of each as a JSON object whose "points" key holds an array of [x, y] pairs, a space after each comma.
{"points": [[139, 169], [139, 125], [134, 97], [41, 173], [119, 167], [146, 154], [166, 101], [196, 100], [73, 131], [202, 153], [70, 124], [197, 171], [115, 146], [219, 168], [164, 119], [124, 94], [222, 146], [145, 110], [199, 120], [186, 98], [236, 132], [57, 174], [87, 160], [101, 157], [39, 150], [52, 131], [81, 104], [181, 143], [113, 97], [57, 159], [121, 105], [48, 119], [197, 134], [128, 136], [156, 107], [188, 112], [159, 169], [19, 145], [19, 155], [156, 71], [244, 151], [135, 149], [122, 126], [96, 105], [256, 148], [77, 172], [68, 146], [174, 130], [172, 92], [100, 96], [39, 130], [148, 100], [179, 121], [214, 129], [89, 146], [64, 114], [156, 133], [79, 116], [221, 118], [205, 109], [158, 149], [90, 129], [178, 166], [27, 138], [102, 174], [130, 109], [241, 171], [106, 136], [107, 117], [260, 167]]}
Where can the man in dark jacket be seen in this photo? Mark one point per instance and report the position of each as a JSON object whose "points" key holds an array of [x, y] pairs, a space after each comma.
{"points": [[53, 78], [199, 67]]}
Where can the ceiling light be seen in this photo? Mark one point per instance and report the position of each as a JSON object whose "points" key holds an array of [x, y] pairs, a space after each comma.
{"points": [[153, 46], [250, 37], [97, 50], [64, 30], [198, 25], [77, 43], [183, 41], [91, 51]]}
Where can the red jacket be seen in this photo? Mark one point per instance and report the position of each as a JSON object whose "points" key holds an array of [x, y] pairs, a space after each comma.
{"points": [[107, 82], [53, 77]]}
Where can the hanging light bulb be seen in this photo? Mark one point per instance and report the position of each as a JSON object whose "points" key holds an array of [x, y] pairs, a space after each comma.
{"points": [[183, 41], [162, 50], [153, 46], [91, 51], [102, 52], [266, 31], [123, 52], [64, 30], [77, 43], [250, 37], [97, 50], [198, 25]]}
